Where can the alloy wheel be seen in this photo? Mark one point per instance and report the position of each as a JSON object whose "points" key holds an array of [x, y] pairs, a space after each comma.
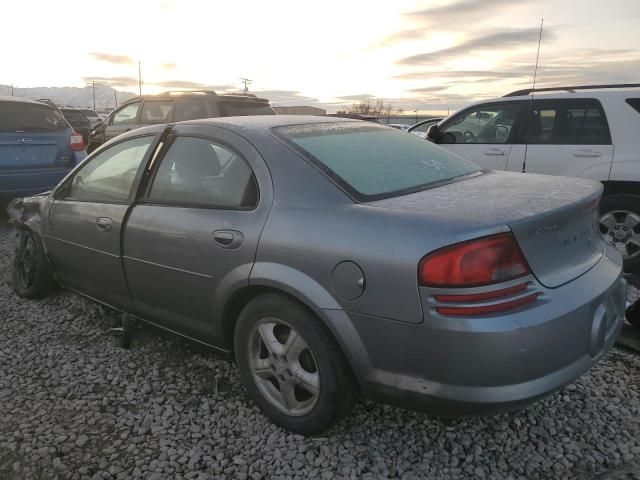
{"points": [[621, 228], [283, 367]]}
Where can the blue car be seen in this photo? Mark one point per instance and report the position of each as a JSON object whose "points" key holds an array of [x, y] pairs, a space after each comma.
{"points": [[37, 147]]}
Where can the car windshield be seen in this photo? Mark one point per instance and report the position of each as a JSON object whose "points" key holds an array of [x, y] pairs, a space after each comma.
{"points": [[373, 162], [27, 117], [234, 109]]}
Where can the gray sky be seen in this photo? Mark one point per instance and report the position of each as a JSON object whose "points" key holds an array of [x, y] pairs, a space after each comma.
{"points": [[425, 55]]}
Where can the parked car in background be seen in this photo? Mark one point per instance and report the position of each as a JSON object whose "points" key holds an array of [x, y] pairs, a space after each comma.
{"points": [[77, 120], [175, 107], [585, 131], [92, 116], [37, 147], [51, 103], [420, 129], [481, 292]]}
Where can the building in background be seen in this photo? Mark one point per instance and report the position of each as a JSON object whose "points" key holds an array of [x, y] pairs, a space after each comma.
{"points": [[300, 110]]}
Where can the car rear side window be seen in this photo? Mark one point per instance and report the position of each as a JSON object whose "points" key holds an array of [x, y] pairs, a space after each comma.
{"points": [[635, 103], [567, 122], [374, 161], [156, 112], [199, 172], [190, 109], [29, 118], [109, 176], [233, 109]]}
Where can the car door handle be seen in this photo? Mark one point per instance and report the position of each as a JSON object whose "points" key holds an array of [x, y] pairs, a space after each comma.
{"points": [[587, 153], [103, 224], [228, 238], [495, 151]]}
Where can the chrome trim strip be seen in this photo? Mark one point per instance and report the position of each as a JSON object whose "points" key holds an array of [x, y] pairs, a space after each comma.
{"points": [[49, 237], [175, 269]]}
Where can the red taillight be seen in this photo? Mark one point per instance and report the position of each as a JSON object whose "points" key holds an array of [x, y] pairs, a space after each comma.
{"points": [[476, 262], [75, 142], [485, 309]]}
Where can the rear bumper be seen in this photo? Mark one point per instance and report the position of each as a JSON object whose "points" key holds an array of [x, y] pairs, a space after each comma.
{"points": [[15, 184], [488, 365]]}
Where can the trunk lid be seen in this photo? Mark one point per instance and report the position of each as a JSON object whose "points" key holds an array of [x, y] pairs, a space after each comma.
{"points": [[554, 219]]}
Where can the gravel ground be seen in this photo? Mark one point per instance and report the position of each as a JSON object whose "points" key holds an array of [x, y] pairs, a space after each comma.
{"points": [[74, 405]]}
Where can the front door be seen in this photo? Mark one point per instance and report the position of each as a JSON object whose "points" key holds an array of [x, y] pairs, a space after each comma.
{"points": [[122, 120], [483, 133], [86, 219], [192, 236]]}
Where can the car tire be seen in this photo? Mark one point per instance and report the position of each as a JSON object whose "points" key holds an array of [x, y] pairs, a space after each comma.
{"points": [[614, 207], [633, 314], [32, 276], [323, 390]]}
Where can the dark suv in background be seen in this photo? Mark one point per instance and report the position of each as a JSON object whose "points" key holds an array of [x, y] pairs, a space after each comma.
{"points": [[174, 107], [77, 120]]}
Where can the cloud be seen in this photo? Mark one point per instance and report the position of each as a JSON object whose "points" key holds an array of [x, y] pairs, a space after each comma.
{"points": [[498, 40], [168, 66], [112, 81], [457, 12], [360, 97], [430, 89], [116, 59], [189, 84]]}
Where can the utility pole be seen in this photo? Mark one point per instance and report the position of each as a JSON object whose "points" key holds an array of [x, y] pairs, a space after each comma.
{"points": [[246, 82], [12, 89], [115, 96], [416, 112], [93, 87], [139, 78]]}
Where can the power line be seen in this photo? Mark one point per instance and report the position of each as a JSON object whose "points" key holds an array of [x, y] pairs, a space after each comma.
{"points": [[246, 82]]}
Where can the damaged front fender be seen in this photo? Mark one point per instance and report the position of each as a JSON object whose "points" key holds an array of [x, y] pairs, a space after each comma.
{"points": [[27, 212]]}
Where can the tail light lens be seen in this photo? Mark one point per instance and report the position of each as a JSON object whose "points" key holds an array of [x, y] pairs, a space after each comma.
{"points": [[483, 261], [75, 142]]}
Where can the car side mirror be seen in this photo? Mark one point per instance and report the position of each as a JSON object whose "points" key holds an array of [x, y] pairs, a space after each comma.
{"points": [[433, 134], [502, 133]]}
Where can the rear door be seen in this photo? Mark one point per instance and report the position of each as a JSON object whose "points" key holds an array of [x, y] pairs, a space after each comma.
{"points": [[122, 120], [483, 134], [192, 238], [86, 219], [567, 137]]}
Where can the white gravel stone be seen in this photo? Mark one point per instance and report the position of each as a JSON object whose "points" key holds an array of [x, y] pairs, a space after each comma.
{"points": [[75, 405]]}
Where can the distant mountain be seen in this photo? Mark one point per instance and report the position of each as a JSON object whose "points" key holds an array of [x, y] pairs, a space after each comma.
{"points": [[73, 96]]}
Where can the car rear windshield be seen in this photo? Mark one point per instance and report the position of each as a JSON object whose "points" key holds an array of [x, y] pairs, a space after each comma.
{"points": [[74, 116], [27, 117], [89, 113], [373, 161], [236, 109]]}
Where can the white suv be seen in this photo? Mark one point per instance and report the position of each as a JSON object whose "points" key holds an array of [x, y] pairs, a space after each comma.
{"points": [[587, 131]]}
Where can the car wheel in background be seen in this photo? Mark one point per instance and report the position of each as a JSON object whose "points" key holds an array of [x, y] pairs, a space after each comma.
{"points": [[291, 366], [620, 224], [32, 276]]}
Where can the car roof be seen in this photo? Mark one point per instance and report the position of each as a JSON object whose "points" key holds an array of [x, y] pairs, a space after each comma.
{"points": [[578, 94], [268, 121], [7, 98]]}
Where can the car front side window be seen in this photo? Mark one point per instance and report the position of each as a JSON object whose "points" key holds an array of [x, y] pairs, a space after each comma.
{"points": [[109, 176], [126, 115], [199, 172], [485, 124]]}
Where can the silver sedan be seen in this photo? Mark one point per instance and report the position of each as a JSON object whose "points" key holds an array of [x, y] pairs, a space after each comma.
{"points": [[333, 259]]}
